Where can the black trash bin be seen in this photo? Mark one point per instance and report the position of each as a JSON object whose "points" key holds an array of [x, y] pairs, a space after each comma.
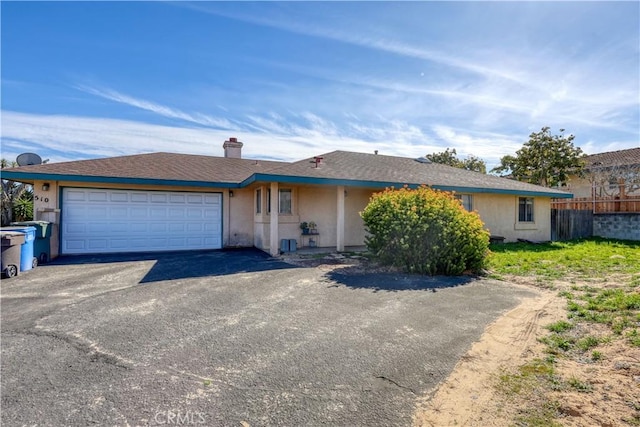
{"points": [[42, 244], [11, 252]]}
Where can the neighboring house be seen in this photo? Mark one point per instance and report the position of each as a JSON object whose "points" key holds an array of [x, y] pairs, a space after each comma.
{"points": [[605, 173], [610, 183], [163, 201]]}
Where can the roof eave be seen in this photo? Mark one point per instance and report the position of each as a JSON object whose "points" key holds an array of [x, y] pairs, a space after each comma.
{"points": [[288, 179], [29, 177]]}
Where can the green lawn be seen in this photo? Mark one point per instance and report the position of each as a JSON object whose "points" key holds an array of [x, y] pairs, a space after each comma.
{"points": [[586, 259]]}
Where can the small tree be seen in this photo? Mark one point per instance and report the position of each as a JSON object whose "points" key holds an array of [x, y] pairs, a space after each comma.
{"points": [[471, 163], [425, 231], [545, 159]]}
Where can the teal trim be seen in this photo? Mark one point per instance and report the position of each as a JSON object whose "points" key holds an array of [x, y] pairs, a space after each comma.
{"points": [[378, 184], [263, 177], [288, 179], [115, 180], [503, 191]]}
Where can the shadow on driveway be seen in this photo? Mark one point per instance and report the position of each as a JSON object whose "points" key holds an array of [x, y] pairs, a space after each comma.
{"points": [[393, 282], [186, 264]]}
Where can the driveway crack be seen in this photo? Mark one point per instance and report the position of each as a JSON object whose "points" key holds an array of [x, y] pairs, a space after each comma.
{"points": [[389, 380], [84, 345]]}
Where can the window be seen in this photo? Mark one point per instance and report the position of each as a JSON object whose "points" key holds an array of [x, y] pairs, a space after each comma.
{"points": [[259, 200], [525, 209], [467, 201], [269, 201], [284, 201]]}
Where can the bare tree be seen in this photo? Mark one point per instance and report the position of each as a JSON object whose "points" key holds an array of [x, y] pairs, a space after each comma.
{"points": [[618, 179]]}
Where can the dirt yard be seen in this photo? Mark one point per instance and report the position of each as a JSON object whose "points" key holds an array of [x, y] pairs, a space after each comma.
{"points": [[475, 395]]}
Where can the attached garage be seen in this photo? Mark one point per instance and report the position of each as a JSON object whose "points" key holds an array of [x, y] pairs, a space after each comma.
{"points": [[106, 221]]}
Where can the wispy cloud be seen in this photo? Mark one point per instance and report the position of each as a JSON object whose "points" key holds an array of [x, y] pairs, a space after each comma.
{"points": [[367, 41], [75, 137], [162, 110]]}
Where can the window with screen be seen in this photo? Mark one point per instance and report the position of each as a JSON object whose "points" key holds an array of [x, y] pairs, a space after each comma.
{"points": [[525, 209]]}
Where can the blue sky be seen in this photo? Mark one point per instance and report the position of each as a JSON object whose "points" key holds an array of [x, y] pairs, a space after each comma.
{"points": [[296, 79]]}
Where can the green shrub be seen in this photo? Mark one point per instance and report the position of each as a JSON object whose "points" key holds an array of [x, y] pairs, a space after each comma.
{"points": [[23, 209], [425, 231]]}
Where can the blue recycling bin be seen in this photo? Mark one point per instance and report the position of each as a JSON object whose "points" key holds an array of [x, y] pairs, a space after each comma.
{"points": [[27, 260], [42, 245]]}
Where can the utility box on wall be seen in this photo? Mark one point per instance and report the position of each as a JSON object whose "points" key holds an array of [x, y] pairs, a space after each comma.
{"points": [[288, 245]]}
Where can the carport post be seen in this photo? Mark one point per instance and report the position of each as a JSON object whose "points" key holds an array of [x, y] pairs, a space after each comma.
{"points": [[340, 220], [274, 249]]}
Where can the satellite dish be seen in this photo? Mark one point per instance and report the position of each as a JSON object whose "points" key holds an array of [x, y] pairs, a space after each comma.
{"points": [[27, 159]]}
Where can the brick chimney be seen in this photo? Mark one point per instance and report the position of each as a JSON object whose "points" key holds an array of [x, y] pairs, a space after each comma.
{"points": [[233, 148]]}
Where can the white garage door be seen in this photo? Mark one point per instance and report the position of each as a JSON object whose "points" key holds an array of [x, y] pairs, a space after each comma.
{"points": [[103, 221]]}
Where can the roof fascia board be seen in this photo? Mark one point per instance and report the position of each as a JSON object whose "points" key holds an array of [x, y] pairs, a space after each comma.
{"points": [[289, 179], [504, 191], [377, 184], [256, 177], [17, 176]]}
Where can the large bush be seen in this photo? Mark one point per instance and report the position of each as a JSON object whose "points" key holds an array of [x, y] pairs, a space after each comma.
{"points": [[425, 231]]}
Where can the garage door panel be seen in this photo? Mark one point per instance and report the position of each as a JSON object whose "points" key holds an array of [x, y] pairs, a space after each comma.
{"points": [[119, 197], [98, 228], [157, 213], [98, 212], [176, 213], [98, 196], [197, 199], [194, 213], [138, 227], [119, 244], [97, 221], [176, 227], [159, 227], [118, 227], [75, 228], [97, 244], [139, 197], [73, 195], [159, 198], [138, 213], [210, 228], [118, 212]]}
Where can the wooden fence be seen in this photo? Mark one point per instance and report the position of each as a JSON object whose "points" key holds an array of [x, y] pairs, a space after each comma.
{"points": [[599, 205], [568, 224]]}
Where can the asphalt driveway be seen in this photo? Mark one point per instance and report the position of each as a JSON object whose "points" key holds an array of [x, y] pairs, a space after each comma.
{"points": [[226, 338]]}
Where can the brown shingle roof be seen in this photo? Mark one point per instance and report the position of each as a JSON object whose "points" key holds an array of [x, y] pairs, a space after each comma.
{"points": [[630, 156], [159, 166], [346, 165], [338, 167]]}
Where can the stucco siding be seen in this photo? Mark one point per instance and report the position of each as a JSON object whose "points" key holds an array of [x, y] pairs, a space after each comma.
{"points": [[500, 215], [580, 187], [239, 225], [319, 204], [355, 202]]}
